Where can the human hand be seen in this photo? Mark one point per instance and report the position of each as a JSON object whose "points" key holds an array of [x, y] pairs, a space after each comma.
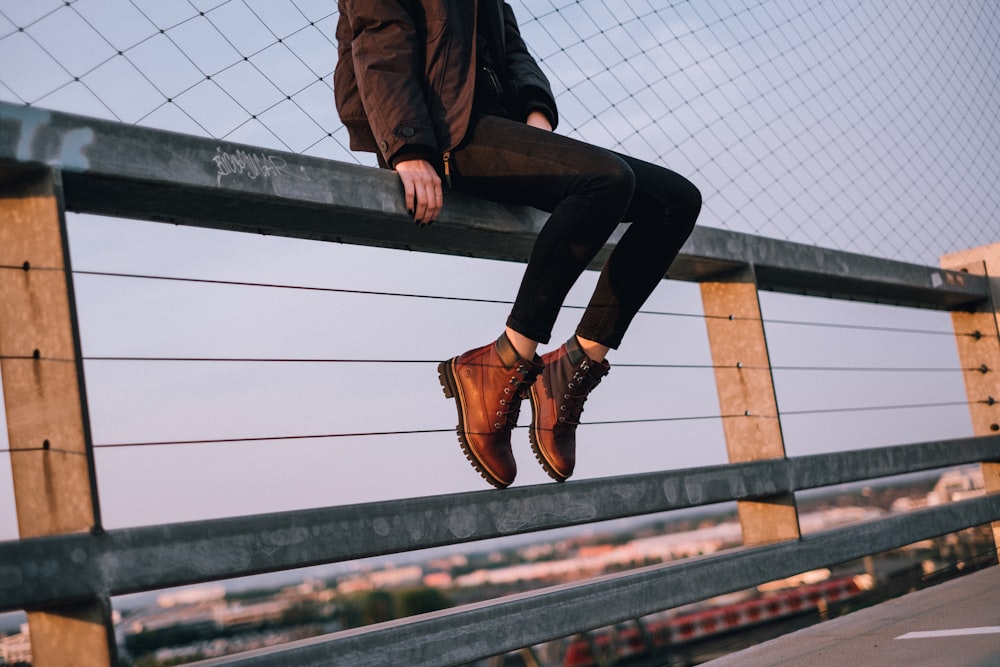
{"points": [[539, 120], [421, 190]]}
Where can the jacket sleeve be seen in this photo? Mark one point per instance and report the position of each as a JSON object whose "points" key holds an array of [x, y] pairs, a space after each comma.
{"points": [[387, 65], [531, 88]]}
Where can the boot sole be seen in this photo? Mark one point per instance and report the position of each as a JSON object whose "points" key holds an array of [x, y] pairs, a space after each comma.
{"points": [[452, 389], [535, 446]]}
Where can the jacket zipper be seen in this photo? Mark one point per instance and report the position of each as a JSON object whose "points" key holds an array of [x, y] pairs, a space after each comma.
{"points": [[446, 157]]}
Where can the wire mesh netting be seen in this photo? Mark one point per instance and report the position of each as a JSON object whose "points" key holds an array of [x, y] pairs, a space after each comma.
{"points": [[860, 126], [220, 365]]}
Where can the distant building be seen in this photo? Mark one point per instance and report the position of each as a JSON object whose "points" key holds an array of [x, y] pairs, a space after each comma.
{"points": [[250, 615], [438, 580], [16, 648], [836, 516], [957, 485], [190, 596], [391, 577]]}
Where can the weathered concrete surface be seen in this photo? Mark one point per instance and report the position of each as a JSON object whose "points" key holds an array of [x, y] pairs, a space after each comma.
{"points": [[958, 624]]}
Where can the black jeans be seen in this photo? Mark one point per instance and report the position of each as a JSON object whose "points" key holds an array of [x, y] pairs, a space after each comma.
{"points": [[587, 191]]}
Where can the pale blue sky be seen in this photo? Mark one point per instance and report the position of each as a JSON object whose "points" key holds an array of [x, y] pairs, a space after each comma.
{"points": [[856, 128]]}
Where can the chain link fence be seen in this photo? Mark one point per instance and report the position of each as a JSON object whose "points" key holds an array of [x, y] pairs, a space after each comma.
{"points": [[863, 126]]}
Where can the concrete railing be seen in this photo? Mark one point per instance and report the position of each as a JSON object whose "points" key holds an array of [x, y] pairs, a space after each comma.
{"points": [[66, 567]]}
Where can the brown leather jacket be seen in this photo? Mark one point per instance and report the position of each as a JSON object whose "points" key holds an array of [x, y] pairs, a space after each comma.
{"points": [[405, 76]]}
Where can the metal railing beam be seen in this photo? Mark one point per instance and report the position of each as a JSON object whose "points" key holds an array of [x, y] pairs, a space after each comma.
{"points": [[148, 174], [532, 618], [67, 567]]}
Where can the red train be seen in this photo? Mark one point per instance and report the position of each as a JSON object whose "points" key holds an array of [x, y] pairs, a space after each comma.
{"points": [[636, 638]]}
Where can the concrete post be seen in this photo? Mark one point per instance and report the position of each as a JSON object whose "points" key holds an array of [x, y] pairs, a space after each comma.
{"points": [[977, 334], [51, 456], [747, 399]]}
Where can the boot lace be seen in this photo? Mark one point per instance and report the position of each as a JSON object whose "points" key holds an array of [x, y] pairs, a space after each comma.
{"points": [[513, 394], [577, 390]]}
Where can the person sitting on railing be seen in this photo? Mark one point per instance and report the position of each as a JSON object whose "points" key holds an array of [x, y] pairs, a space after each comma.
{"points": [[446, 90]]}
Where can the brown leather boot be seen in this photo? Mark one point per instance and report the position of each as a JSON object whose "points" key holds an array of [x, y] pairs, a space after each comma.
{"points": [[488, 385], [557, 399]]}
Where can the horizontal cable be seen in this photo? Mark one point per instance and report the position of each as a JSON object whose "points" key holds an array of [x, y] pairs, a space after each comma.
{"points": [[264, 360], [872, 408], [34, 357], [799, 412], [651, 420], [874, 369], [18, 450], [295, 360], [360, 434], [866, 369], [319, 360], [866, 327], [827, 325], [27, 266], [308, 288], [410, 295], [373, 433], [320, 436]]}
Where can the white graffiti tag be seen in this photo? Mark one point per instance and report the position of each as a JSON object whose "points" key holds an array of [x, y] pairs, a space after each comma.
{"points": [[250, 165]]}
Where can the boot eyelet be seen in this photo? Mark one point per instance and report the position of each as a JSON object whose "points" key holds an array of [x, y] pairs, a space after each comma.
{"points": [[503, 402], [497, 426], [562, 408], [570, 385]]}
